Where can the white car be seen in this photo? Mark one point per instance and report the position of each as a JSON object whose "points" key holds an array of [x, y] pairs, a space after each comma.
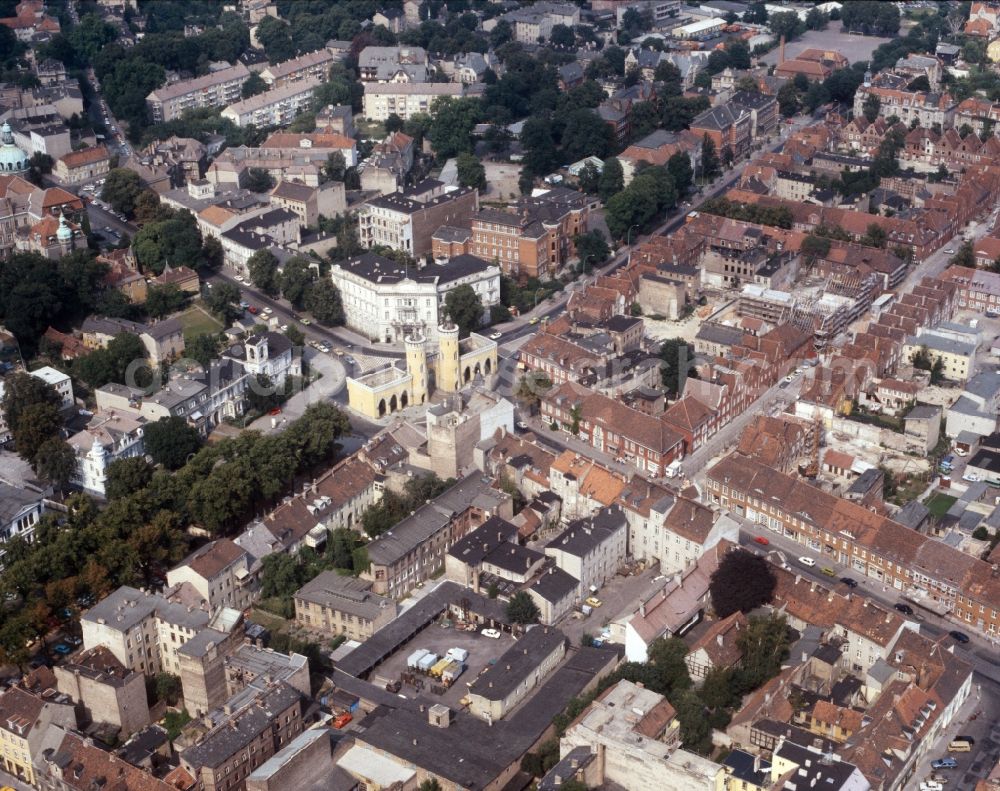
{"points": [[807, 561], [496, 336], [522, 425], [971, 477], [284, 328], [267, 311], [949, 251], [493, 634], [239, 279]]}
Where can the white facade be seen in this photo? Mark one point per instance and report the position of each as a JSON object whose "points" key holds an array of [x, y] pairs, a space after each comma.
{"points": [[275, 107], [405, 99], [592, 550], [395, 309], [108, 438], [20, 511], [59, 382]]}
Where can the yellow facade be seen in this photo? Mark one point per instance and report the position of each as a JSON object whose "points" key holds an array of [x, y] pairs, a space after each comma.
{"points": [[447, 361], [16, 754], [416, 367], [993, 51], [455, 365]]}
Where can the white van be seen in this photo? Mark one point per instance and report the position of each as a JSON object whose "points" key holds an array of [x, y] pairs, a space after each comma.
{"points": [[807, 562]]}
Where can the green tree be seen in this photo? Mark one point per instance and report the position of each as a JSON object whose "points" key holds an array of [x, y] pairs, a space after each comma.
{"points": [[588, 178], [710, 164], [964, 256], [55, 462], [126, 477], [175, 240], [666, 655], [742, 582], [679, 168], [121, 189], [161, 301], [562, 36], [20, 391], [279, 575], [170, 441], [871, 107], [465, 307], [296, 279], [764, 645], [522, 609], [148, 208], [166, 687], [335, 167], [36, 424], [788, 100], [203, 347], [591, 248], [450, 132], [471, 172], [787, 24], [431, 784], [258, 180], [612, 180], [223, 300], [255, 84], [677, 355], [670, 76], [324, 302], [263, 269]]}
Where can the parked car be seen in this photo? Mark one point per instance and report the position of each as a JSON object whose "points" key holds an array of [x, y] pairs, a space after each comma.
{"points": [[62, 649], [944, 763], [828, 571], [493, 634], [593, 601], [906, 609], [495, 336], [959, 637], [253, 310], [807, 561], [522, 425], [761, 540], [849, 582], [342, 719], [931, 785]]}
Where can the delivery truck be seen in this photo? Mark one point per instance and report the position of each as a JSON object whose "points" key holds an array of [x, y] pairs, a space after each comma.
{"points": [[413, 660]]}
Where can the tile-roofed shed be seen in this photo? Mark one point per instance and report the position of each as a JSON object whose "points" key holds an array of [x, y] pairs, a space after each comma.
{"points": [[210, 560]]}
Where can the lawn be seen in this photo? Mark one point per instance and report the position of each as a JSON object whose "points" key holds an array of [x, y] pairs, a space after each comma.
{"points": [[939, 504], [196, 321]]}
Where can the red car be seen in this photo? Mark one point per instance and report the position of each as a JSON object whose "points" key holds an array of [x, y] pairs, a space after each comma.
{"points": [[342, 719], [253, 309], [761, 540]]}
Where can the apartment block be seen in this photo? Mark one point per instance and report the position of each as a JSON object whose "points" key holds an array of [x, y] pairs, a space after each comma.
{"points": [[333, 605], [406, 99], [592, 549], [221, 572], [24, 721], [312, 65], [107, 691], [217, 89], [275, 107], [407, 220], [535, 239], [223, 758]]}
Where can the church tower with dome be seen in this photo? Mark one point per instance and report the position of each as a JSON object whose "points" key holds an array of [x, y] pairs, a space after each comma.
{"points": [[12, 158]]}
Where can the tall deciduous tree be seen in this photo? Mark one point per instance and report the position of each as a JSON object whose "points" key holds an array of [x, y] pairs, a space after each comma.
{"points": [[522, 609], [170, 440], [710, 165], [612, 179], [465, 308], [471, 172], [263, 269], [742, 582], [121, 189], [324, 302]]}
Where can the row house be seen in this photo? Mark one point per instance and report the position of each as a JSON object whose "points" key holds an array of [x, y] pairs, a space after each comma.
{"points": [[976, 290], [927, 109], [977, 112], [583, 485], [695, 421], [860, 134], [949, 148], [562, 360], [919, 567], [627, 435]]}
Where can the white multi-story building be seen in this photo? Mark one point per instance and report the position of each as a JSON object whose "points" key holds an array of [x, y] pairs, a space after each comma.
{"points": [[108, 437], [407, 220], [275, 107], [59, 382], [535, 22], [216, 89], [592, 550], [387, 301], [20, 510], [406, 99]]}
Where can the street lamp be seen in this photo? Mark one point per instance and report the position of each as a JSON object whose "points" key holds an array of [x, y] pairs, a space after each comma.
{"points": [[537, 291], [628, 239]]}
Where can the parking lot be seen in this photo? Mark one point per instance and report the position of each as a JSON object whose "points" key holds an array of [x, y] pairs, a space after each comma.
{"points": [[438, 640]]}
